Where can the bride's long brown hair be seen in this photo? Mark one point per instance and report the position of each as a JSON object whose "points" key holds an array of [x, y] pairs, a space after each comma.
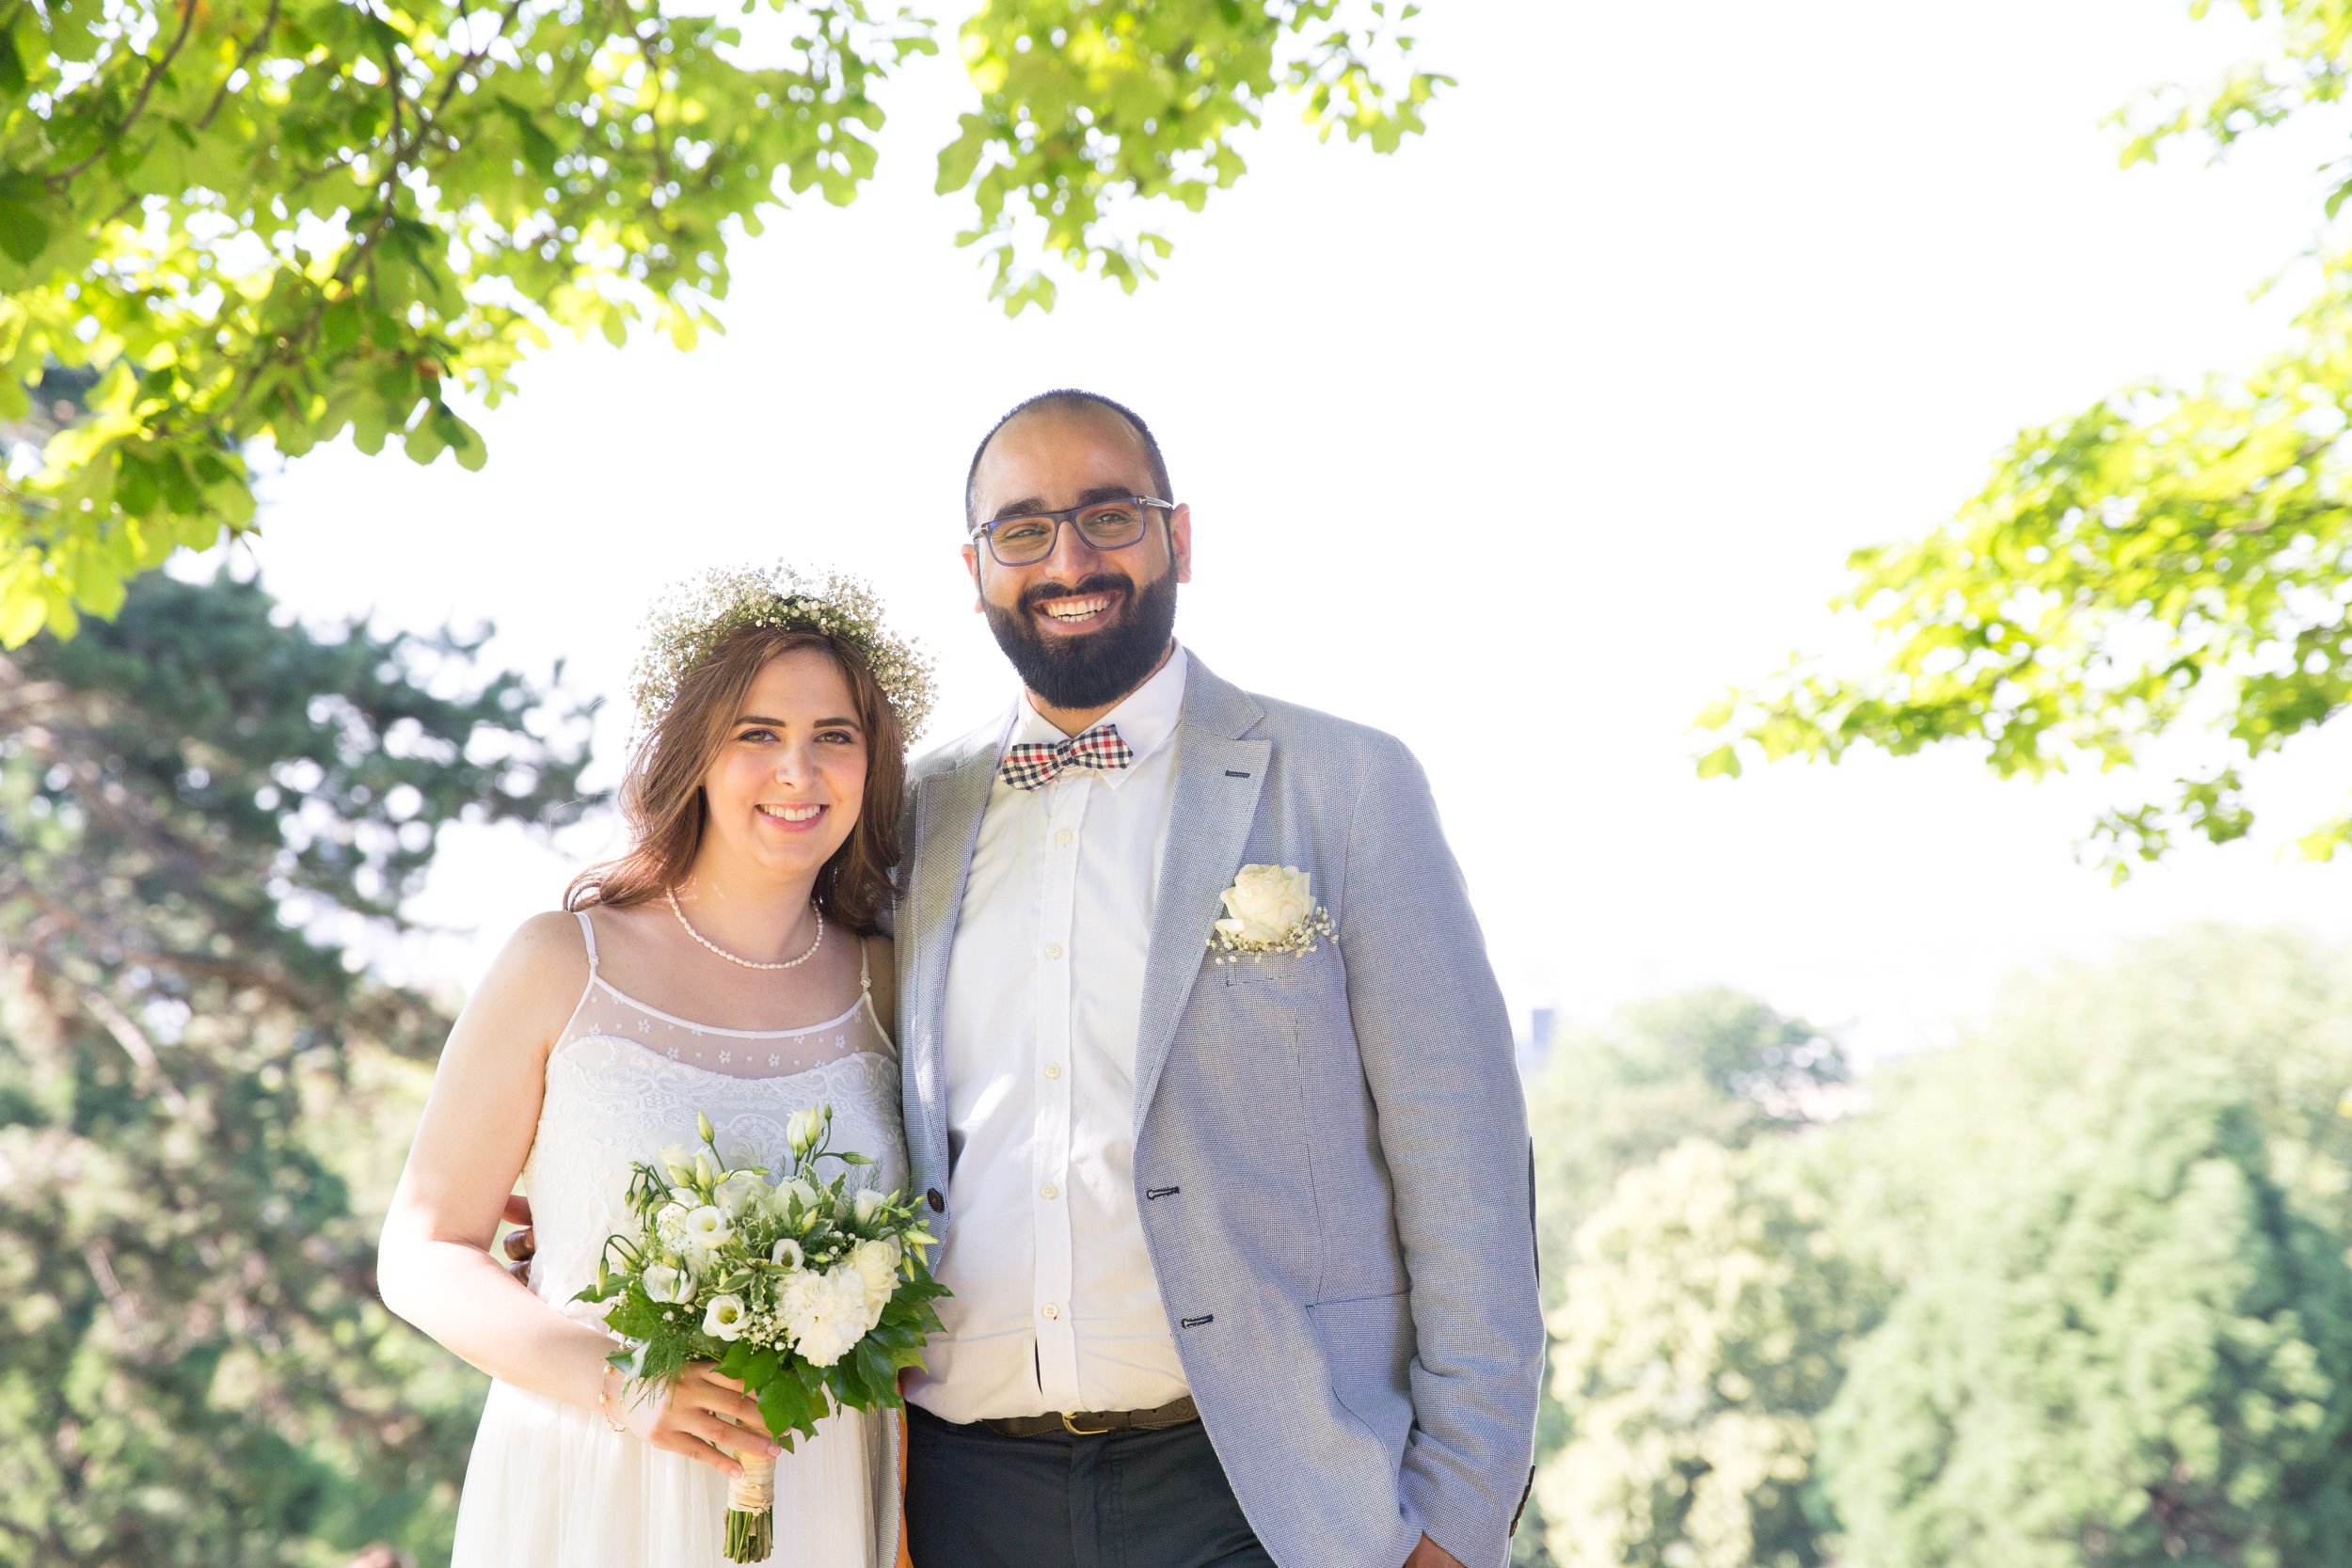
{"points": [[662, 793]]}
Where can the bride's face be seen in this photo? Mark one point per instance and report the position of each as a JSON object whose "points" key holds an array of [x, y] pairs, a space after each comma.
{"points": [[784, 791]]}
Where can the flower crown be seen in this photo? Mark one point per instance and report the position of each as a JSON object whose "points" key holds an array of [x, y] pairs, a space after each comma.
{"points": [[692, 617]]}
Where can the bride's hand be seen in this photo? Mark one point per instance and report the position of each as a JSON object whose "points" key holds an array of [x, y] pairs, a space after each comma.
{"points": [[707, 1417]]}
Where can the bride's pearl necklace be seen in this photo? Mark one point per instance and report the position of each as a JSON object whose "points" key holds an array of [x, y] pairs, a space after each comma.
{"points": [[747, 963]]}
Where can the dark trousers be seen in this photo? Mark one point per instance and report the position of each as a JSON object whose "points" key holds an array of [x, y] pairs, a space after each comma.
{"points": [[1124, 1499]]}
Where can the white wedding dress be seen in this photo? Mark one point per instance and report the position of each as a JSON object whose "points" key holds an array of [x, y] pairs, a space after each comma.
{"points": [[552, 1486]]}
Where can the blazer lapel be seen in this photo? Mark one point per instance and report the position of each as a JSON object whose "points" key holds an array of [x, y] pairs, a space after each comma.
{"points": [[1218, 777], [948, 806]]}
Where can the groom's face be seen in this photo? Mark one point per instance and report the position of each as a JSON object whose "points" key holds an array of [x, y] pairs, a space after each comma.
{"points": [[1049, 459]]}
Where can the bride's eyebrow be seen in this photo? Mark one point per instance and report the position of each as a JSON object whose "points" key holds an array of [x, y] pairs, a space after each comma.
{"points": [[780, 724]]}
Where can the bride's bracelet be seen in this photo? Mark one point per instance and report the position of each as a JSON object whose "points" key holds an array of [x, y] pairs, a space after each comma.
{"points": [[604, 1401]]}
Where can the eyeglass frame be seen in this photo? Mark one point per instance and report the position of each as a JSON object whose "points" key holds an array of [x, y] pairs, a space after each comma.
{"points": [[1067, 514]]}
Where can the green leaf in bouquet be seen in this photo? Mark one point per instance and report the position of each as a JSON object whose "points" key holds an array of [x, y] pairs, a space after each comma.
{"points": [[739, 1363], [879, 1373], [842, 1379], [789, 1405]]}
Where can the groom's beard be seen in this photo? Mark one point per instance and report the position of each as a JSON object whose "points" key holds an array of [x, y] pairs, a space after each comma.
{"points": [[1096, 670]]}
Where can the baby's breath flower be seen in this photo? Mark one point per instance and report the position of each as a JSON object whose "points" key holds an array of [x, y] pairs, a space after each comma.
{"points": [[694, 616]]}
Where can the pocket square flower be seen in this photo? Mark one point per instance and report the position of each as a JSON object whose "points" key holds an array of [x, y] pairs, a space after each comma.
{"points": [[1269, 908]]}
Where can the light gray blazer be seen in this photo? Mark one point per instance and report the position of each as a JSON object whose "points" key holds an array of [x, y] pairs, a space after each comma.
{"points": [[1331, 1156]]}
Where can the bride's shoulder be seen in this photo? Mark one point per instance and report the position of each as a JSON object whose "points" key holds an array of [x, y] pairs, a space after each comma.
{"points": [[544, 963]]}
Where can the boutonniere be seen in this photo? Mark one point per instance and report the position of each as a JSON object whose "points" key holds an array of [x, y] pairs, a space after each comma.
{"points": [[1268, 910]]}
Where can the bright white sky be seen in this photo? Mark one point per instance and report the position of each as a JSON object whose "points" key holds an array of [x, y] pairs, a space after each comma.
{"points": [[1522, 444]]}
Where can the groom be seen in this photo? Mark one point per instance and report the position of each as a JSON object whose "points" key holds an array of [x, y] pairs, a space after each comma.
{"points": [[1240, 1241]]}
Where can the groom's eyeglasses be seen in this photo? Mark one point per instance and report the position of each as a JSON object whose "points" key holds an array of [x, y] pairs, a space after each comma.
{"points": [[1107, 524]]}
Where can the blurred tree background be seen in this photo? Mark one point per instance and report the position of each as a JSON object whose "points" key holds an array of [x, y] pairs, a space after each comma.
{"points": [[208, 815], [2074, 1291], [2071, 1292]]}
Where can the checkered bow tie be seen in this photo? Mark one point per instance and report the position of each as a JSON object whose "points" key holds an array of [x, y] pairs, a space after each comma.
{"points": [[1034, 763]]}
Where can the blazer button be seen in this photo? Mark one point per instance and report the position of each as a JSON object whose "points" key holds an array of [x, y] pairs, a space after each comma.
{"points": [[939, 1204]]}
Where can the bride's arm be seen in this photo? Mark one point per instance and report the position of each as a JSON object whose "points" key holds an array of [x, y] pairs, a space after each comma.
{"points": [[433, 1265]]}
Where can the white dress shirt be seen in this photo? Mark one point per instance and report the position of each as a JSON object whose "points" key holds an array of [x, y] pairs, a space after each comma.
{"points": [[1056, 1307]]}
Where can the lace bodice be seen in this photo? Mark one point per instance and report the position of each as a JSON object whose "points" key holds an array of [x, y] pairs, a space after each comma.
{"points": [[624, 1078]]}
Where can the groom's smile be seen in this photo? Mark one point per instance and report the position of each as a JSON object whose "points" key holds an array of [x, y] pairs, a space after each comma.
{"points": [[1074, 614]]}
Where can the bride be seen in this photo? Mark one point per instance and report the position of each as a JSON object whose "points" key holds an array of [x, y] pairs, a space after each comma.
{"points": [[762, 804]]}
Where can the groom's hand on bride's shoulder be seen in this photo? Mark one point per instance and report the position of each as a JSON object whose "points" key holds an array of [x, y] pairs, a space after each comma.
{"points": [[519, 1243], [1430, 1555]]}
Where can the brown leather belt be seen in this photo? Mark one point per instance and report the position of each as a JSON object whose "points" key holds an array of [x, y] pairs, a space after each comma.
{"points": [[1093, 1423]]}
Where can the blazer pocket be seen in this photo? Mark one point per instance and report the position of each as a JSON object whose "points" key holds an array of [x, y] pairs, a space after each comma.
{"points": [[1368, 1351], [1294, 968]]}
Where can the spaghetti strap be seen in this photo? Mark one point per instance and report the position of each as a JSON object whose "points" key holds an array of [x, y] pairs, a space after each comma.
{"points": [[590, 932], [864, 967]]}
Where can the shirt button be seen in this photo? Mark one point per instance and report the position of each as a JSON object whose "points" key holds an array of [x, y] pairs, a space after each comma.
{"points": [[1049, 1190], [1050, 1312], [1053, 1069], [1062, 837], [1053, 949]]}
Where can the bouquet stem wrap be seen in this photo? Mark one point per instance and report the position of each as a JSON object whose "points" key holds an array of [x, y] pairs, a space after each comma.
{"points": [[751, 1509]]}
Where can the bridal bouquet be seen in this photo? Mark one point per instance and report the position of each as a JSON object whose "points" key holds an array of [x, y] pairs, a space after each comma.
{"points": [[814, 1294]]}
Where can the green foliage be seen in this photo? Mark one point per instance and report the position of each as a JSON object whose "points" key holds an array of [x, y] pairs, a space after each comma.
{"points": [[1706, 1328], [196, 1090], [1085, 106], [2043, 1074], [283, 222], [1710, 1064], [2137, 1358], [2165, 562], [1707, 1307]]}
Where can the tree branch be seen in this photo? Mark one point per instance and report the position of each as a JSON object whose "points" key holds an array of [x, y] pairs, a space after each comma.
{"points": [[406, 141], [661, 146], [138, 105], [245, 58]]}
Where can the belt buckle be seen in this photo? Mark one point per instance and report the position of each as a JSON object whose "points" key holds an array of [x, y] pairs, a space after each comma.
{"points": [[1075, 1429]]}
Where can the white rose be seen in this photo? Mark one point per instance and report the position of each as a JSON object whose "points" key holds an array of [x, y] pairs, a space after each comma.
{"points": [[877, 1265], [664, 1283], [724, 1317], [708, 1228], [786, 1254], [1265, 903], [867, 1204], [742, 1192], [825, 1313]]}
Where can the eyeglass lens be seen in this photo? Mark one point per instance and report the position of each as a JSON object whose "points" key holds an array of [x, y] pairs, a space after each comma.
{"points": [[1109, 526]]}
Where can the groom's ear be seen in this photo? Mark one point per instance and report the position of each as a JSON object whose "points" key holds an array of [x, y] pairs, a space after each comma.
{"points": [[972, 564], [1180, 542]]}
